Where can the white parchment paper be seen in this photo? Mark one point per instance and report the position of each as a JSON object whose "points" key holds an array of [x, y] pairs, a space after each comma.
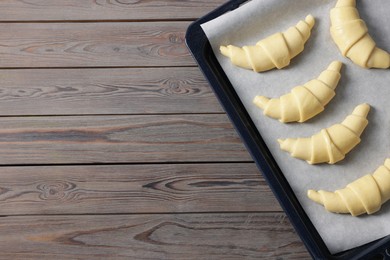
{"points": [[260, 18]]}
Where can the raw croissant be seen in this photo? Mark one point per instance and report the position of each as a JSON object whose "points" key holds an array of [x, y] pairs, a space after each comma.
{"points": [[350, 34], [331, 144], [364, 195], [303, 102], [274, 51]]}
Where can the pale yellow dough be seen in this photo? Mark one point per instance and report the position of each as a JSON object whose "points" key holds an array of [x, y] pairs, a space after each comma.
{"points": [[364, 195], [274, 51], [303, 102], [330, 145], [351, 35]]}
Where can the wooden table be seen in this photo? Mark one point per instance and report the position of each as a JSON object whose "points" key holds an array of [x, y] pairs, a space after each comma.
{"points": [[113, 146]]}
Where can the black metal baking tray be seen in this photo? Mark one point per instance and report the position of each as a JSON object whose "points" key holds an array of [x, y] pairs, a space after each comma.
{"points": [[201, 50]]}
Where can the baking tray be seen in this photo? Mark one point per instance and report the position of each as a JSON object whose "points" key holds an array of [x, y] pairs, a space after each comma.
{"points": [[201, 50]]}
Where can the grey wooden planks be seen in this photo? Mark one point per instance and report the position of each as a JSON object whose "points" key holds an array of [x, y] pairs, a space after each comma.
{"points": [[105, 91], [113, 146], [113, 189], [93, 44], [119, 139], [172, 236], [70, 10]]}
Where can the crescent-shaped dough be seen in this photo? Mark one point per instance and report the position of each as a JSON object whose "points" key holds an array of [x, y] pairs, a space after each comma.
{"points": [[274, 51], [351, 35], [330, 145], [303, 102], [364, 195]]}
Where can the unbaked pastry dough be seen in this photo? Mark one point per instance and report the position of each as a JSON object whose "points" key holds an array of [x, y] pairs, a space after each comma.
{"points": [[303, 102], [364, 195], [351, 35], [274, 51], [330, 145]]}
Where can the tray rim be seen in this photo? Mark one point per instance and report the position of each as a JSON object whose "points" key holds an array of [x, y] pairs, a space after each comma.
{"points": [[199, 46]]}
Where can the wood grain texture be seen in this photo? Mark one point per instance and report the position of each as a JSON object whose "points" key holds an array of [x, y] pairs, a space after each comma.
{"points": [[105, 91], [60, 10], [93, 44], [134, 189], [112, 145], [194, 236], [119, 139]]}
